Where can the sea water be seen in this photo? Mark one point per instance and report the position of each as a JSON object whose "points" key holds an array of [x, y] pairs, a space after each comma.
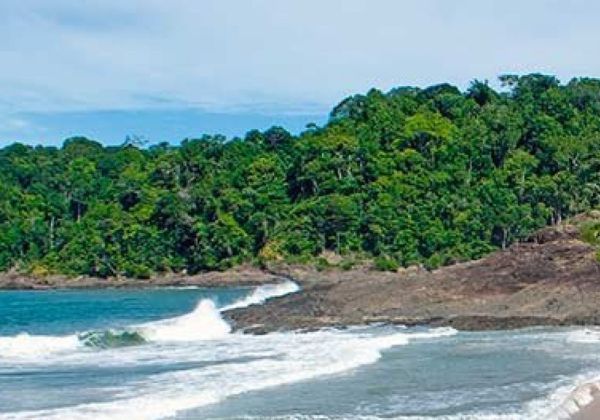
{"points": [[168, 353]]}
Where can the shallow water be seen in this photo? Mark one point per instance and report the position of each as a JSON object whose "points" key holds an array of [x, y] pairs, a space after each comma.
{"points": [[166, 353]]}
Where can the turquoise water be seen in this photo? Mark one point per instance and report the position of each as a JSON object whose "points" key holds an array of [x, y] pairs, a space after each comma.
{"points": [[57, 312], [167, 353]]}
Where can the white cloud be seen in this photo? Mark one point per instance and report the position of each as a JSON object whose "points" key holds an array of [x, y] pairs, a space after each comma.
{"points": [[15, 123], [59, 55]]}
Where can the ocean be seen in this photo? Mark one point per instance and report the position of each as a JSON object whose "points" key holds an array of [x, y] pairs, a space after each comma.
{"points": [[168, 353]]}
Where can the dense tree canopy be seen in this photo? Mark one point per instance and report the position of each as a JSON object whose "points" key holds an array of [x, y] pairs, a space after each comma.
{"points": [[413, 176]]}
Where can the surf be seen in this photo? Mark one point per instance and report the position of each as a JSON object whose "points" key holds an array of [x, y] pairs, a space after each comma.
{"points": [[204, 322], [193, 365], [249, 363], [26, 345], [220, 364]]}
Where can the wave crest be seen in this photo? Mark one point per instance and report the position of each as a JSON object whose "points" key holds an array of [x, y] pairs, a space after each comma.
{"points": [[111, 339], [263, 293], [203, 323]]}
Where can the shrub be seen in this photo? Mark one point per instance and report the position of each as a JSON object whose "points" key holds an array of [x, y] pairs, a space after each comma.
{"points": [[138, 271], [590, 233], [322, 264], [385, 263], [435, 261], [347, 264], [39, 270]]}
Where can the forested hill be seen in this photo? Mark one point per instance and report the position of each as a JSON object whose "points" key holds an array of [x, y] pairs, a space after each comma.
{"points": [[429, 176]]}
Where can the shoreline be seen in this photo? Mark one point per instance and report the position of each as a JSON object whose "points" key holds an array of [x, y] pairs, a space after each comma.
{"points": [[239, 276], [457, 296], [552, 279], [583, 403]]}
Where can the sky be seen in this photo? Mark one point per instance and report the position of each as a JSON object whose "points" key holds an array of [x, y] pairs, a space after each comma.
{"points": [[167, 70]]}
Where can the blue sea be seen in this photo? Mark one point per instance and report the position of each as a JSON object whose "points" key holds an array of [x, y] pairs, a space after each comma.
{"points": [[168, 353]]}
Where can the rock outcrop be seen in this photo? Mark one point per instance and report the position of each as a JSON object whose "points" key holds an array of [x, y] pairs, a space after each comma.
{"points": [[553, 278]]}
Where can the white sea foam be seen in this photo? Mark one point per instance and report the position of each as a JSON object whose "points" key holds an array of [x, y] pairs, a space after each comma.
{"points": [[229, 364], [290, 357], [26, 346], [568, 398], [576, 400], [203, 323], [235, 364], [262, 293], [585, 335]]}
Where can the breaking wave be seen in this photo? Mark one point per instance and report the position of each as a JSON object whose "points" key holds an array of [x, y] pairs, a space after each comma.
{"points": [[111, 339], [203, 323], [218, 364], [262, 293], [291, 357]]}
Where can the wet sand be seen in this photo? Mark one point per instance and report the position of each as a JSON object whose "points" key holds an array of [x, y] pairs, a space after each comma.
{"points": [[590, 406], [582, 404]]}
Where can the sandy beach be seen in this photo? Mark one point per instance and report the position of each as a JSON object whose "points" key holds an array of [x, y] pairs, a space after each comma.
{"points": [[582, 404], [590, 411]]}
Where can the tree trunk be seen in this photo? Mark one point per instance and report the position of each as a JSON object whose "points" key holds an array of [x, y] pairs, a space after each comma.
{"points": [[51, 234]]}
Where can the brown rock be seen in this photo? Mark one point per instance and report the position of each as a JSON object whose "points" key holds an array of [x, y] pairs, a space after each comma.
{"points": [[552, 279]]}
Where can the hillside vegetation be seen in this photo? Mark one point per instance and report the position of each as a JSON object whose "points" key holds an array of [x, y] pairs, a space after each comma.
{"points": [[413, 176]]}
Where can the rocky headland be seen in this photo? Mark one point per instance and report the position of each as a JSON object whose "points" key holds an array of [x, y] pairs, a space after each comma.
{"points": [[552, 278]]}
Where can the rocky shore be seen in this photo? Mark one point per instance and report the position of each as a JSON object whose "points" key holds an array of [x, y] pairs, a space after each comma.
{"points": [[551, 279]]}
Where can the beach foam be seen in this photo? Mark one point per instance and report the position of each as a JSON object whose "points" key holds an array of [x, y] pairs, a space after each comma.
{"points": [[25, 345], [292, 357], [585, 335], [567, 400]]}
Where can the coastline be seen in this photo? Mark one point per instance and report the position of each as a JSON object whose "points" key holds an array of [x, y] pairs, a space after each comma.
{"points": [[552, 279], [239, 276]]}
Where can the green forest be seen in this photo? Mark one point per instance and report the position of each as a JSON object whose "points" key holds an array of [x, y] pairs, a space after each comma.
{"points": [[427, 176]]}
